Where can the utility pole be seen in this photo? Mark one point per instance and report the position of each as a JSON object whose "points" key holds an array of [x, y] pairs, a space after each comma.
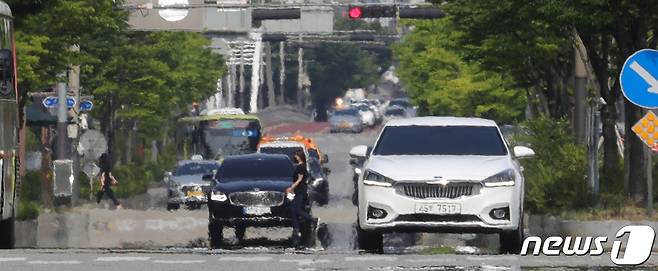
{"points": [[300, 73], [230, 92], [61, 121], [271, 99], [74, 88], [241, 87], [580, 90], [282, 72], [255, 71]]}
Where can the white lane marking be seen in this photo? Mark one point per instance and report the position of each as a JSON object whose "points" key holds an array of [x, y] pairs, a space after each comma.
{"points": [[245, 259], [54, 262], [369, 258], [16, 259], [653, 83], [122, 259], [492, 258], [431, 260], [305, 261], [179, 261]]}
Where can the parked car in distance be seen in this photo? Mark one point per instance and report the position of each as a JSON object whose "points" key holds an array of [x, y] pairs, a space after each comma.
{"points": [[250, 192], [366, 113], [404, 103], [441, 174], [189, 182], [394, 112], [348, 119]]}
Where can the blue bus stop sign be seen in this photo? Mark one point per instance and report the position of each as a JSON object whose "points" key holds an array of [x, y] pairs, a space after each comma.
{"points": [[638, 78]]}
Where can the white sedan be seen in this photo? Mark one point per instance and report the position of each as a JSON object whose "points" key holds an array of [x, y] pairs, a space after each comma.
{"points": [[441, 174]]}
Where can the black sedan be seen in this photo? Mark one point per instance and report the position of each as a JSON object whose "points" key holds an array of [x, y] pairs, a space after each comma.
{"points": [[250, 192]]}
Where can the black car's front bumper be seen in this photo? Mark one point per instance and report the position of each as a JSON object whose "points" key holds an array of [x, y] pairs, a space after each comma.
{"points": [[231, 215]]}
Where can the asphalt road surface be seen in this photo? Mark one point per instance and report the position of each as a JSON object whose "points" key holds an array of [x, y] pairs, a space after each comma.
{"points": [[203, 259]]}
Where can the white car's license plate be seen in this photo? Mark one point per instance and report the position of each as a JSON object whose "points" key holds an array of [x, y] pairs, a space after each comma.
{"points": [[438, 208], [256, 210]]}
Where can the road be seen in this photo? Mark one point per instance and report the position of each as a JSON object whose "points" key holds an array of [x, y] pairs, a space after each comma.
{"points": [[193, 259], [339, 215]]}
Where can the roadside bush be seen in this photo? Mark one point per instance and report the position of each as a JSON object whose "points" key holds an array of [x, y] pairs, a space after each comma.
{"points": [[556, 176], [27, 210]]}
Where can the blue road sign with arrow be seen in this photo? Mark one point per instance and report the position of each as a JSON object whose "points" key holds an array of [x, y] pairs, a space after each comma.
{"points": [[638, 78], [86, 105], [50, 102]]}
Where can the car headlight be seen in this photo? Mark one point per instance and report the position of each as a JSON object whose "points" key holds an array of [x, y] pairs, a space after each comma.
{"points": [[503, 178], [218, 196], [290, 196], [376, 179]]}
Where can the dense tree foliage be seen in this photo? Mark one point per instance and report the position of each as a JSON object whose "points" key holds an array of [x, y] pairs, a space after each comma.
{"points": [[143, 77], [443, 82]]}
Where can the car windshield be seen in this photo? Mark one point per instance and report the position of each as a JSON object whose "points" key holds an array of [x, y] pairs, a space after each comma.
{"points": [[395, 112], [346, 112], [194, 169], [289, 151], [401, 103], [255, 169], [315, 169], [313, 153], [440, 140]]}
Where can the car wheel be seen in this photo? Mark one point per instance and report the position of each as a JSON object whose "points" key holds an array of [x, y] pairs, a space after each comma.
{"points": [[324, 194], [215, 234], [239, 232], [7, 233], [511, 241], [371, 241], [173, 206]]}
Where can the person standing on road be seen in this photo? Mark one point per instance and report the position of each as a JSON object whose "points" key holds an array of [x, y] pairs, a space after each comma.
{"points": [[299, 188], [107, 180]]}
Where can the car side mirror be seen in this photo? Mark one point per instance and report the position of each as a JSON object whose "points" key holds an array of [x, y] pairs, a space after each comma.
{"points": [[325, 158], [353, 162], [523, 152], [326, 171], [360, 151]]}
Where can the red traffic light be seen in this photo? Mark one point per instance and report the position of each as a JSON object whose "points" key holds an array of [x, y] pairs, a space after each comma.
{"points": [[355, 12]]}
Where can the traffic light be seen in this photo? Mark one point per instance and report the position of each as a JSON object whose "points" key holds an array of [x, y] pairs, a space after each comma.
{"points": [[372, 11], [420, 13], [392, 11]]}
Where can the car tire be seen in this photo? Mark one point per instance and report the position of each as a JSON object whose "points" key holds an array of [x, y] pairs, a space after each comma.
{"points": [[215, 234], [239, 233], [7, 233], [370, 241], [511, 241], [172, 206], [324, 194]]}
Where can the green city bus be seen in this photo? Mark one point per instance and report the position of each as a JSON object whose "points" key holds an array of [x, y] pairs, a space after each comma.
{"points": [[217, 135]]}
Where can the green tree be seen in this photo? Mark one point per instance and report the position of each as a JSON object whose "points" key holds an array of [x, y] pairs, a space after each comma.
{"points": [[440, 79]]}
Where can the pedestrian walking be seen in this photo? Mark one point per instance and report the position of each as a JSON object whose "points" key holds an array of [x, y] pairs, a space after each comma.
{"points": [[299, 188], [106, 181]]}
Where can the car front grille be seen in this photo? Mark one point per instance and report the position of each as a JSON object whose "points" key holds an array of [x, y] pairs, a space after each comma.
{"points": [[449, 191], [260, 198]]}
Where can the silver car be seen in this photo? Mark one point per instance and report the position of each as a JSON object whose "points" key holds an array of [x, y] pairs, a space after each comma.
{"points": [[346, 120], [189, 183]]}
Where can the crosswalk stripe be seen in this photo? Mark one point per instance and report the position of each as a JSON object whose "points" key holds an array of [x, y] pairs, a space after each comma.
{"points": [[54, 262], [15, 259], [245, 259], [179, 261], [122, 259]]}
